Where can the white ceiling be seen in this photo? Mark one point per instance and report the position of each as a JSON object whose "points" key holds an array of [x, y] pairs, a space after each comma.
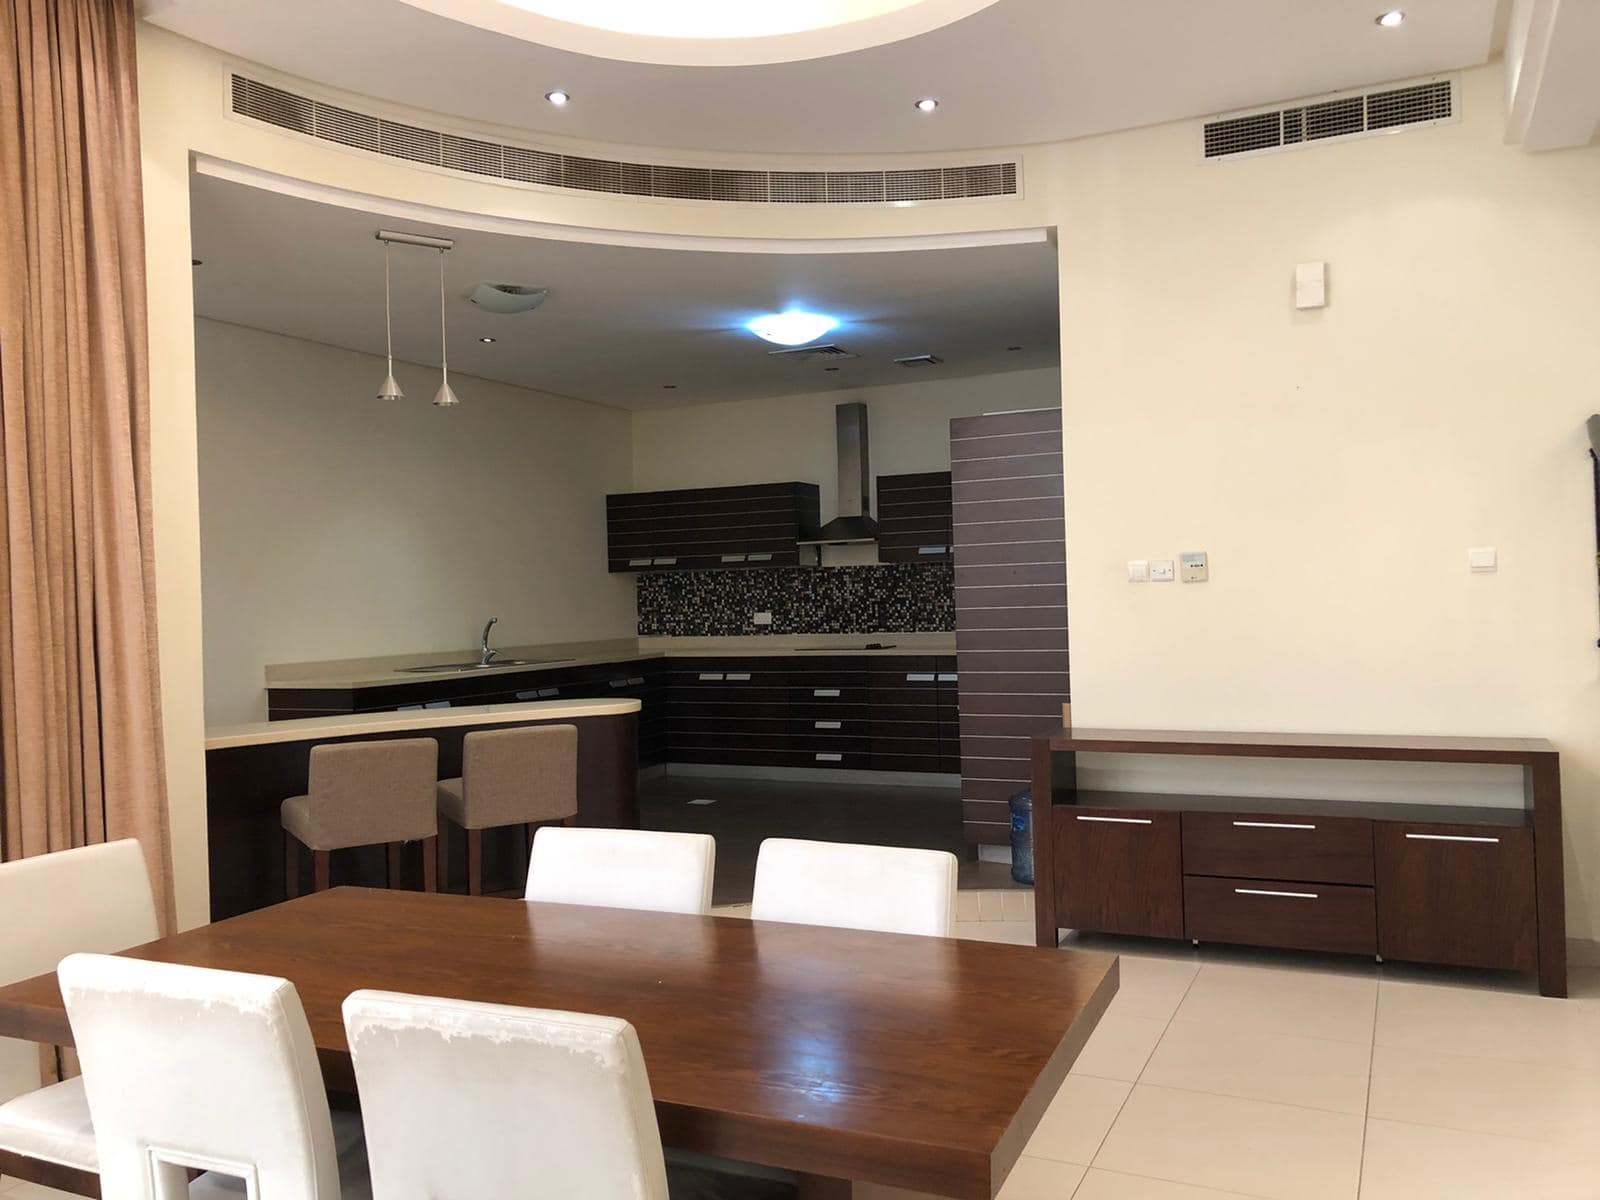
{"points": [[620, 321], [1017, 71]]}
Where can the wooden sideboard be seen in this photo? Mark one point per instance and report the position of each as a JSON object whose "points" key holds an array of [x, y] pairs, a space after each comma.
{"points": [[1459, 885]]}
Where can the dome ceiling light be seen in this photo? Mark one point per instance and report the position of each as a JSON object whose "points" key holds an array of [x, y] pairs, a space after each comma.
{"points": [[794, 327]]}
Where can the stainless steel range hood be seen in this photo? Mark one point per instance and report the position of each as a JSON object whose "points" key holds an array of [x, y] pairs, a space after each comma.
{"points": [[854, 524]]}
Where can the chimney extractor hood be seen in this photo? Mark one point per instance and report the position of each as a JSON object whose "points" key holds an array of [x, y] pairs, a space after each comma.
{"points": [[854, 524]]}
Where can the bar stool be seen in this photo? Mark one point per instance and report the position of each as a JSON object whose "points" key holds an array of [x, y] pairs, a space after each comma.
{"points": [[363, 794], [521, 776]]}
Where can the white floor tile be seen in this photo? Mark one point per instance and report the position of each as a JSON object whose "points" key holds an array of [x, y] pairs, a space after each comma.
{"points": [[1015, 933], [1152, 987], [1041, 1179], [1120, 1045], [1535, 1101], [1282, 1068], [1489, 1024], [17, 1189], [1260, 1149], [1419, 1162], [1077, 1119], [1270, 1000], [1113, 1185]]}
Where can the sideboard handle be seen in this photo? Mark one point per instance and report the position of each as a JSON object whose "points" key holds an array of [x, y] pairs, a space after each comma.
{"points": [[1270, 825], [1449, 837], [1120, 820], [1265, 892]]}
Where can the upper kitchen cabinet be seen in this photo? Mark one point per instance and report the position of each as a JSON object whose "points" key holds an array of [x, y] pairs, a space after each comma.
{"points": [[914, 518], [756, 525]]}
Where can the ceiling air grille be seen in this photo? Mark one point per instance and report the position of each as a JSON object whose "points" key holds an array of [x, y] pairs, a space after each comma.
{"points": [[1417, 104], [379, 135]]}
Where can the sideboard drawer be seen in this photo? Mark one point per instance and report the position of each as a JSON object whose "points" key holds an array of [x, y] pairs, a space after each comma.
{"points": [[1264, 912], [1118, 870], [1257, 846]]}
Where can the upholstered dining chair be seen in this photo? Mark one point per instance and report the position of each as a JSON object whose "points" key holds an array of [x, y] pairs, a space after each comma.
{"points": [[188, 1068], [523, 776], [379, 792], [622, 868], [890, 889], [94, 898], [439, 1079]]}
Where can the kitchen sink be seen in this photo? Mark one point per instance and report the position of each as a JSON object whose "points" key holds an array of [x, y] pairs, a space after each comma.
{"points": [[441, 668]]}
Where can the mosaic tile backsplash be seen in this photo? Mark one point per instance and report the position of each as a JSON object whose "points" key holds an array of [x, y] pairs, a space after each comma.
{"points": [[891, 598]]}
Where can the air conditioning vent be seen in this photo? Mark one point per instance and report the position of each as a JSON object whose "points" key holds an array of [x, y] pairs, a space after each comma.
{"points": [[521, 164], [920, 360], [806, 354], [1346, 116]]}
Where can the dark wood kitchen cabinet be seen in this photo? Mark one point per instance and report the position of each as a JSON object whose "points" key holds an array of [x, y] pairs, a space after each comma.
{"points": [[756, 525], [1121, 871], [914, 518]]}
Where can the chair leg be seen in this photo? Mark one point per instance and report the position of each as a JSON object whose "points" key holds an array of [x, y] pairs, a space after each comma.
{"points": [[474, 862], [394, 865], [321, 861], [430, 864], [291, 865], [444, 856]]}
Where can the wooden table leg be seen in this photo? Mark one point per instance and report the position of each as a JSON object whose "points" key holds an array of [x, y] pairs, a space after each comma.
{"points": [[821, 1187]]}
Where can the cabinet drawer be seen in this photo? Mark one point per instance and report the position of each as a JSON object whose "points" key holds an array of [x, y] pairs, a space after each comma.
{"points": [[1457, 894], [1118, 871], [1253, 846], [1264, 912]]}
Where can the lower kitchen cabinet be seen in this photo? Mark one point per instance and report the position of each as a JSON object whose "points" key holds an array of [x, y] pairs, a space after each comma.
{"points": [[1262, 912], [1120, 871], [1459, 894]]}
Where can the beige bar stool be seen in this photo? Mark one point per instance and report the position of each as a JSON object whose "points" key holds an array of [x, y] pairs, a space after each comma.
{"points": [[363, 794], [521, 776]]}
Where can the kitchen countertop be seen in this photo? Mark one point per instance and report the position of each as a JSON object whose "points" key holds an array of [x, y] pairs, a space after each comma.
{"points": [[339, 674], [261, 733]]}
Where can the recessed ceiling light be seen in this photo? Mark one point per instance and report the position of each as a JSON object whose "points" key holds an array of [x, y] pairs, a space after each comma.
{"points": [[795, 327], [1392, 18], [196, 262], [830, 368], [559, 98], [927, 104], [1013, 347], [487, 341], [669, 387]]}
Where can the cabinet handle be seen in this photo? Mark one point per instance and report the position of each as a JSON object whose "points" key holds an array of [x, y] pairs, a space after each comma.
{"points": [[829, 757], [919, 678], [1265, 892], [738, 676], [825, 692], [711, 676], [758, 557], [549, 691], [1120, 820], [933, 549], [619, 683], [951, 677], [1450, 837], [639, 562], [1270, 825], [527, 695], [663, 562], [733, 558], [827, 724], [635, 680]]}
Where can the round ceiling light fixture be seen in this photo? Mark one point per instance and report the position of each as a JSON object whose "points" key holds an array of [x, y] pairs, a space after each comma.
{"points": [[927, 104], [1392, 19], [559, 98], [506, 298], [793, 327]]}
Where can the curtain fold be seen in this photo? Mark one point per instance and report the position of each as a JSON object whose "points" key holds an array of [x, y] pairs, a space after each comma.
{"points": [[80, 719]]}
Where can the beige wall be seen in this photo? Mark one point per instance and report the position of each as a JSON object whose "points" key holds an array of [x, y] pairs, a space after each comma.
{"points": [[1337, 464], [334, 525]]}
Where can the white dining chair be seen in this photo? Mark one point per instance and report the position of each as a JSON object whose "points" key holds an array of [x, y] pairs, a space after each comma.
{"points": [[891, 889], [188, 1068], [463, 1099], [622, 868], [94, 898]]}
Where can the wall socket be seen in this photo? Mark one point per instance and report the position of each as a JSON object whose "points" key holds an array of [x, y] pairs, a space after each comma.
{"points": [[761, 618]]}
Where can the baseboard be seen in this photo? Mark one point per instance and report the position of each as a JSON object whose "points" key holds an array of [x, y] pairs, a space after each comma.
{"points": [[811, 775]]}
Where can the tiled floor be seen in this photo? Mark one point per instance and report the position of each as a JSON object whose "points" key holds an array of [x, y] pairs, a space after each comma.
{"points": [[1221, 1073]]}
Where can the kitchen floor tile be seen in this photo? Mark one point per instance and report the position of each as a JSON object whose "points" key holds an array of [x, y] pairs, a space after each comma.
{"points": [[1077, 1119], [1420, 1162], [1467, 1020], [1041, 1179], [1271, 1000], [1260, 1149], [1152, 987], [1486, 1095], [1282, 1068], [1015, 933], [1120, 1045], [1114, 1185]]}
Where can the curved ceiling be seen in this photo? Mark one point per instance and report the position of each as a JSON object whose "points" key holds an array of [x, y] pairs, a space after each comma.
{"points": [[1014, 72]]}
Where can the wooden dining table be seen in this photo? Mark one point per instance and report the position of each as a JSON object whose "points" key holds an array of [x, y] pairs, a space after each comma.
{"points": [[841, 1055]]}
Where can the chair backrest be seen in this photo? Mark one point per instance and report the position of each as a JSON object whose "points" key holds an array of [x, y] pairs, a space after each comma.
{"points": [[94, 898], [375, 791], [890, 889], [622, 868], [465, 1101], [190, 1067], [512, 776]]}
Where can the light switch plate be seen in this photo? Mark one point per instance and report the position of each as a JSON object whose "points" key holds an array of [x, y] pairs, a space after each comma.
{"points": [[1161, 570], [1311, 285], [1482, 559], [1138, 571], [1193, 564], [761, 618]]}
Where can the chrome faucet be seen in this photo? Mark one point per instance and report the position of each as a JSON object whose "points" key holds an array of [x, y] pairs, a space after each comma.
{"points": [[488, 654]]}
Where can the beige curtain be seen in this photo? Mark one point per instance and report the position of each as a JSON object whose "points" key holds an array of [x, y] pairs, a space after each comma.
{"points": [[80, 718]]}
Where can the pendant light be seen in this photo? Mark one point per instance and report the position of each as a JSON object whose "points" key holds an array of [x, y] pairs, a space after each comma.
{"points": [[444, 397], [390, 389]]}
